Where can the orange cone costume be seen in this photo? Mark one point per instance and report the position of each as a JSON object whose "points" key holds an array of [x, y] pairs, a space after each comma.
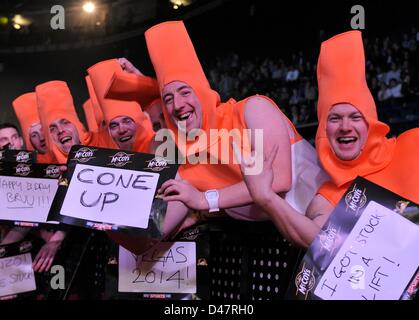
{"points": [[132, 87], [390, 163], [144, 90], [101, 75], [26, 110], [174, 59], [89, 113], [55, 102]]}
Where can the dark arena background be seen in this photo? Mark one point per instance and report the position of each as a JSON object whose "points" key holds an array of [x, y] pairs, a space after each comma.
{"points": [[246, 47]]}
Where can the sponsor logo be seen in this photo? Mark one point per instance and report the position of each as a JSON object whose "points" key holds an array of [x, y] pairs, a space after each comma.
{"points": [[157, 295], [413, 285], [23, 156], [25, 246], [328, 237], [23, 169], [355, 199], [83, 155], [120, 159], [2, 252], [52, 172], [401, 206], [305, 281], [26, 224], [157, 164], [191, 234], [99, 226]]}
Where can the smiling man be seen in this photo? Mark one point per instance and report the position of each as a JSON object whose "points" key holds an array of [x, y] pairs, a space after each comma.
{"points": [[350, 142], [346, 130], [57, 113], [183, 105], [123, 130], [191, 108], [64, 134], [129, 128]]}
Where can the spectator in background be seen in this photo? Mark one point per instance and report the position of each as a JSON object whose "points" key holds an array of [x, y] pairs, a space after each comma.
{"points": [[395, 89], [394, 73], [10, 136], [383, 94], [381, 76], [294, 115], [292, 74], [374, 88], [295, 98], [310, 94], [304, 116], [283, 96]]}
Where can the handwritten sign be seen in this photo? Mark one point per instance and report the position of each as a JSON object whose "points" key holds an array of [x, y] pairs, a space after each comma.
{"points": [[26, 199], [375, 262], [367, 249], [110, 195], [108, 189], [16, 275], [168, 267], [20, 156]]}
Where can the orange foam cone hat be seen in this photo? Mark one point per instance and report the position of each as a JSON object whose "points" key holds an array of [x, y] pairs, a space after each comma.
{"points": [[101, 74], [174, 59], [132, 87], [99, 118], [55, 102]]}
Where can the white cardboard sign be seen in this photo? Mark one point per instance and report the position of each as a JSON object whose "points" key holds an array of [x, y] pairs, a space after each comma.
{"points": [[376, 261], [168, 267], [16, 275], [110, 195], [26, 199]]}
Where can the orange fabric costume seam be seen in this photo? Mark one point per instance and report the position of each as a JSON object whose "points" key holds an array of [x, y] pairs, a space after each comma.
{"points": [[89, 113], [97, 119]]}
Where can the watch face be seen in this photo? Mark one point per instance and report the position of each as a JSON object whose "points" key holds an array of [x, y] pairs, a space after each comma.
{"points": [[212, 195]]}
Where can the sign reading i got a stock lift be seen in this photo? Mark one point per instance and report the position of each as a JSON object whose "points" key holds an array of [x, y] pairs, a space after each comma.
{"points": [[367, 250]]}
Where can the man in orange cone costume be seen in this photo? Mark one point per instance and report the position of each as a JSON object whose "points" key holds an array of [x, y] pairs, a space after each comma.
{"points": [[390, 163], [130, 130], [192, 107], [58, 116], [26, 110], [350, 142], [128, 126]]}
